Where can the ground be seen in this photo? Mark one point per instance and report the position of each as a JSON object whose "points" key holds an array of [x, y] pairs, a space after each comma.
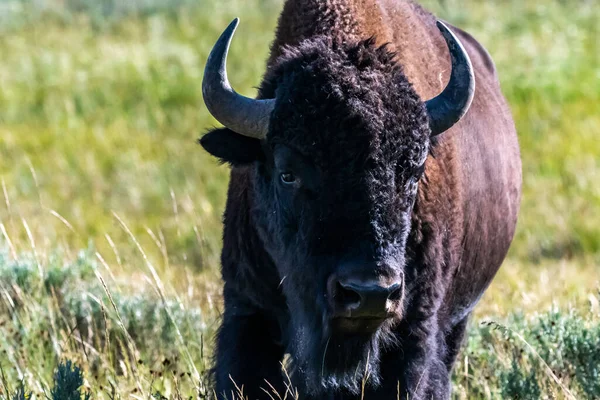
{"points": [[110, 222]]}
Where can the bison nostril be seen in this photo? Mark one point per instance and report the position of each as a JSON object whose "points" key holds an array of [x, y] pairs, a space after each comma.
{"points": [[346, 297], [356, 299], [395, 293]]}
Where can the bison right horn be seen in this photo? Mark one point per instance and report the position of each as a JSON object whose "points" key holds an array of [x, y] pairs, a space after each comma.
{"points": [[452, 104], [248, 117]]}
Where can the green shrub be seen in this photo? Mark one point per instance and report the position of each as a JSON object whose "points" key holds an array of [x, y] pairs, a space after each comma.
{"points": [[68, 380], [522, 358]]}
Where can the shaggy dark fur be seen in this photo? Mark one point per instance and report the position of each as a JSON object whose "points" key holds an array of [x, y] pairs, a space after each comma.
{"points": [[369, 158], [372, 190]]}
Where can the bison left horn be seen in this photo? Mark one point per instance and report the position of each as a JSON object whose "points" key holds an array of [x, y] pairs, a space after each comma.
{"points": [[246, 116], [453, 103]]}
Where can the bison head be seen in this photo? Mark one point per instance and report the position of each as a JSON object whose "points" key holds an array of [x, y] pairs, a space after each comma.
{"points": [[336, 147]]}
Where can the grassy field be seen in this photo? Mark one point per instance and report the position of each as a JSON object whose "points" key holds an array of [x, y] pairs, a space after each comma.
{"points": [[110, 216]]}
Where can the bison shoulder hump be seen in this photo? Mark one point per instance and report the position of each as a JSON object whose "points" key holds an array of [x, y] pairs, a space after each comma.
{"points": [[477, 52]]}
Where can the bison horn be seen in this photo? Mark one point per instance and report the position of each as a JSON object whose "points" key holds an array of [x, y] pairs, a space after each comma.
{"points": [[452, 104], [248, 117]]}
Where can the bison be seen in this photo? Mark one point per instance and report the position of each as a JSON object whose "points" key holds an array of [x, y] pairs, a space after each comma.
{"points": [[375, 184]]}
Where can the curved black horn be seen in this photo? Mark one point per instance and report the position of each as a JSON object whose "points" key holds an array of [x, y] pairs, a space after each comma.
{"points": [[248, 117], [452, 104]]}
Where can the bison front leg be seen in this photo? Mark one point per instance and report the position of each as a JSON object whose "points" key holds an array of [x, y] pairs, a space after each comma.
{"points": [[247, 356]]}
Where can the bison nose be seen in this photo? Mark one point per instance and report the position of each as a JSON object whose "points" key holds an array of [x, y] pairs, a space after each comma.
{"points": [[357, 299]]}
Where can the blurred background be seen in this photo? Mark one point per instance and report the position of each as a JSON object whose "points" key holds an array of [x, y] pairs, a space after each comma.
{"points": [[110, 213]]}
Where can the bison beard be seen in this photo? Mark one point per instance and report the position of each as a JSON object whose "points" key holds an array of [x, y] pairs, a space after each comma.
{"points": [[325, 360]]}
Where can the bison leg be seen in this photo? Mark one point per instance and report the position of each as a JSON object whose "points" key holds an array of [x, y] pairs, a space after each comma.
{"points": [[247, 357], [454, 341]]}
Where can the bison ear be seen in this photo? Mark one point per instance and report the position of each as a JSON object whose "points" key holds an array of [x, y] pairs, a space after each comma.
{"points": [[232, 148]]}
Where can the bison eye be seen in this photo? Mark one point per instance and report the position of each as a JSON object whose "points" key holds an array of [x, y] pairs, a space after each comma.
{"points": [[288, 178]]}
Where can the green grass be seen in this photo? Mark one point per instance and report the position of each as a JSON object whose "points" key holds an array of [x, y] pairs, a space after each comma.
{"points": [[130, 340], [100, 106], [127, 339]]}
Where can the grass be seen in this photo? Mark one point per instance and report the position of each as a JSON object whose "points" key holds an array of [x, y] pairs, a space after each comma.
{"points": [[128, 340], [100, 106]]}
